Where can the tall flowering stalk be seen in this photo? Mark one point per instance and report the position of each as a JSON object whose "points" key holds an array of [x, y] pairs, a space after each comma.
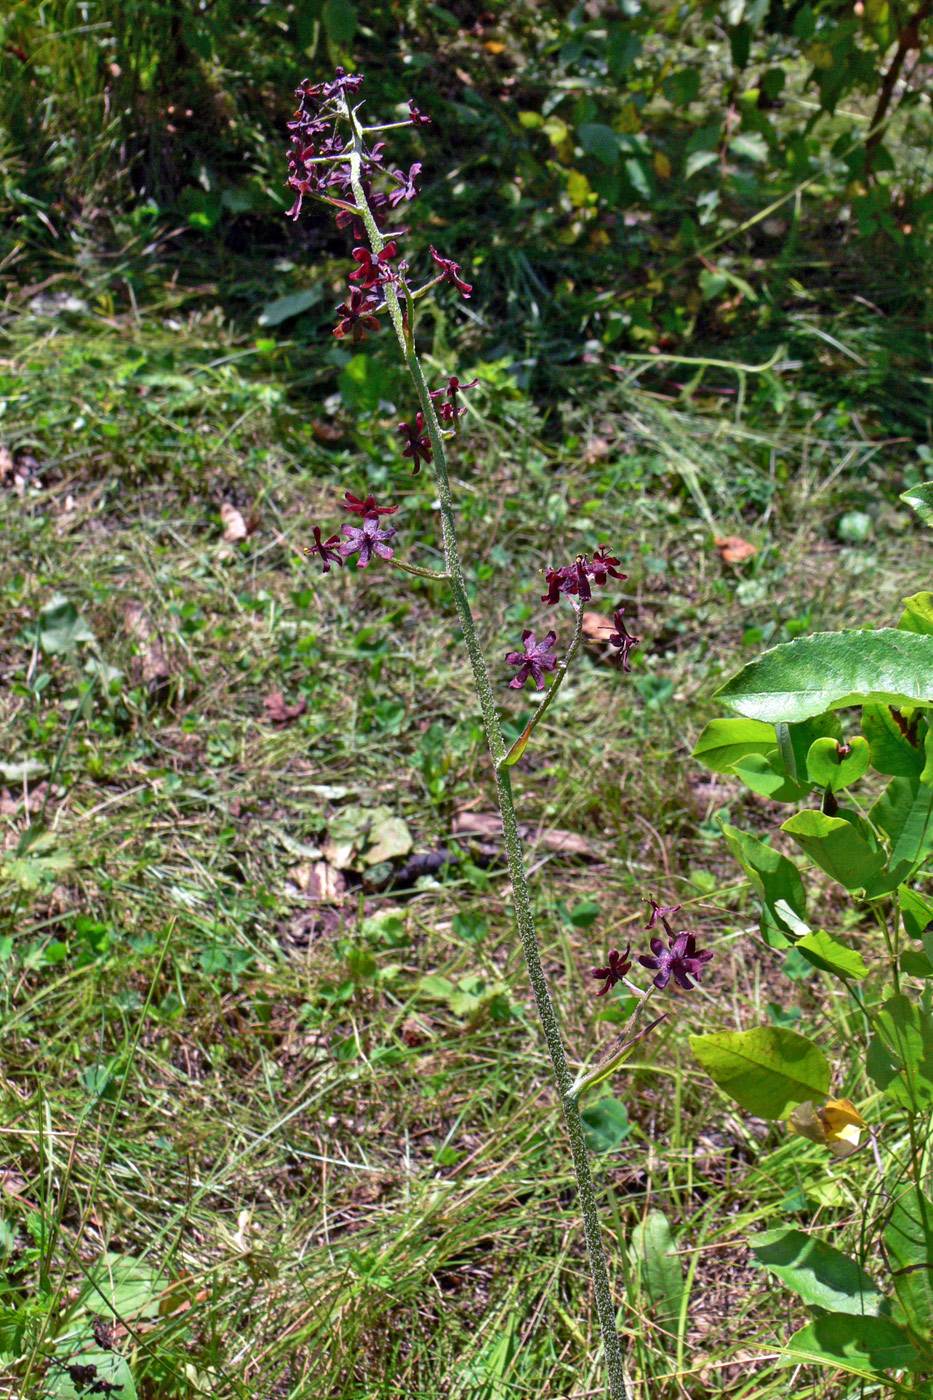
{"points": [[338, 160]]}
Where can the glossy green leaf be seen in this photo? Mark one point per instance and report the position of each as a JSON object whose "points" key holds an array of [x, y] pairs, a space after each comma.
{"points": [[765, 775], [828, 670], [836, 766], [817, 1272], [920, 499], [907, 1036], [836, 847], [830, 955], [915, 964], [918, 614], [772, 875], [766, 1070], [796, 740], [896, 743], [908, 1243], [659, 1267], [598, 141], [862, 1346], [904, 812], [725, 741], [916, 911]]}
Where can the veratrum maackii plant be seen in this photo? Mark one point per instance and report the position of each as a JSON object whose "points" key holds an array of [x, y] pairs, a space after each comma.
{"points": [[338, 160]]}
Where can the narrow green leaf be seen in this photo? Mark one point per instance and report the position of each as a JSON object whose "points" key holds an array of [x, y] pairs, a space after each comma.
{"points": [[908, 1243], [766, 1070], [817, 1272], [862, 1346], [836, 847], [659, 1267], [904, 812], [275, 312], [724, 741], [829, 670], [830, 955]]}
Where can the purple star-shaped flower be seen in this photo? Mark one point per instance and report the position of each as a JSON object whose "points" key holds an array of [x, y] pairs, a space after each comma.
{"points": [[450, 272], [418, 446], [326, 550], [619, 964], [536, 658], [575, 578], [660, 913], [625, 642], [373, 269], [366, 541], [368, 507], [357, 318], [679, 958]]}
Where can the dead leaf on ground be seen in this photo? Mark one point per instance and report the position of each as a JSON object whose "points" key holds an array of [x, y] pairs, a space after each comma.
{"points": [[8, 807], [318, 880], [568, 843], [279, 713], [597, 627], [154, 669], [234, 525], [734, 550]]}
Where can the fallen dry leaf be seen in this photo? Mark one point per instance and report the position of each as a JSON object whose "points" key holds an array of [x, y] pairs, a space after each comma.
{"points": [[319, 881], [234, 525], [154, 669], [280, 714], [596, 626], [734, 550], [568, 843]]}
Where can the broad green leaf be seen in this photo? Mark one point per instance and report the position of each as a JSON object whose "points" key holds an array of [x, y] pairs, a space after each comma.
{"points": [[109, 1368], [796, 740], [918, 614], [659, 1267], [829, 670], [906, 1034], [916, 911], [765, 775], [817, 1272], [27, 770], [908, 1243], [724, 741], [836, 847], [830, 955], [904, 812], [340, 22], [606, 1124], [914, 964], [122, 1286], [896, 743], [61, 626], [275, 312], [920, 499], [771, 874], [599, 141], [862, 1346], [836, 766], [766, 1070]]}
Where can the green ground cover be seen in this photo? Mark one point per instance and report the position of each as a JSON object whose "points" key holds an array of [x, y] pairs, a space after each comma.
{"points": [[275, 1115]]}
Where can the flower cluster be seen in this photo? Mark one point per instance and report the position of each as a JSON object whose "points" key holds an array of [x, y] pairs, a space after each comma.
{"points": [[679, 958], [363, 540], [575, 578], [320, 166]]}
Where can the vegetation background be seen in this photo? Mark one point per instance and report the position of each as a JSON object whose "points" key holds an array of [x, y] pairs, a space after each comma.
{"points": [[274, 1113]]}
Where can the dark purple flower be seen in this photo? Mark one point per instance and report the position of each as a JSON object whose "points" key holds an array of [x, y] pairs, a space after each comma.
{"points": [[357, 317], [450, 410], [679, 958], [450, 272], [367, 507], [625, 642], [575, 578], [406, 188], [619, 964], [373, 269], [327, 551], [418, 446], [660, 913], [366, 541], [536, 658], [418, 118]]}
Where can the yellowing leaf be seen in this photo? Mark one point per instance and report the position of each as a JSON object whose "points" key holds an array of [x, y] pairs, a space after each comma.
{"points": [[578, 188], [662, 166], [838, 1125], [494, 46], [629, 121]]}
